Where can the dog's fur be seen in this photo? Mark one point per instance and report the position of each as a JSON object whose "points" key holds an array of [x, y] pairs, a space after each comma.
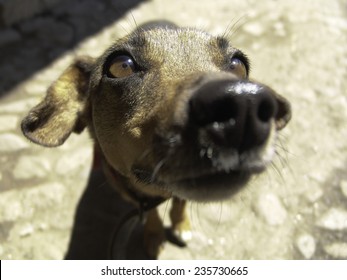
{"points": [[136, 100]]}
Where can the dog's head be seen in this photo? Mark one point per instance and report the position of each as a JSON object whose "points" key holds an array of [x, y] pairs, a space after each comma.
{"points": [[172, 109]]}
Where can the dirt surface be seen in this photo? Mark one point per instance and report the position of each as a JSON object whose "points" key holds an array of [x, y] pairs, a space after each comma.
{"points": [[295, 210]]}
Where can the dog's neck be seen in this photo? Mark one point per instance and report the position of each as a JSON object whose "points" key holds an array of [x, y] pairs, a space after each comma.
{"points": [[143, 201]]}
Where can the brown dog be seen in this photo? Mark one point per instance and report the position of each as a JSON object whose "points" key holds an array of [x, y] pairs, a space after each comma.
{"points": [[173, 114]]}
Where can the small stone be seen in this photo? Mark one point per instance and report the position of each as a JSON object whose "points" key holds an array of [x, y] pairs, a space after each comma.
{"points": [[73, 160], [18, 106], [8, 123], [10, 142], [8, 37], [343, 186], [15, 10], [314, 194], [44, 27], [334, 219], [306, 245], [271, 209], [255, 29], [63, 33], [43, 226], [31, 167], [36, 88], [337, 250], [27, 230], [45, 195], [280, 29], [83, 9], [13, 209], [31, 26]]}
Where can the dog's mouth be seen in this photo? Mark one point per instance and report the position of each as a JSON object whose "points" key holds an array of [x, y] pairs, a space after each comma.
{"points": [[200, 184]]}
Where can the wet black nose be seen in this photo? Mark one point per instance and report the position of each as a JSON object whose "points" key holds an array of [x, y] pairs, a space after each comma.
{"points": [[234, 114]]}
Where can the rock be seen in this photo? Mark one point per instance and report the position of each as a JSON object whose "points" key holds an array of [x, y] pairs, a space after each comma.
{"points": [[8, 37], [334, 219], [11, 142], [270, 208], [45, 196], [314, 193], [73, 160], [31, 167], [32, 26], [8, 123], [343, 186], [36, 88], [24, 203], [13, 11], [18, 106], [26, 230], [280, 29], [82, 9], [63, 33], [306, 245], [12, 209], [48, 30], [337, 250], [254, 28]]}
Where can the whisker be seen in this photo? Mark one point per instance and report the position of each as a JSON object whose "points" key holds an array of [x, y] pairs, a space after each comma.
{"points": [[278, 172], [283, 160], [199, 219], [127, 31], [157, 169], [232, 28], [134, 20], [145, 154], [220, 213], [166, 208]]}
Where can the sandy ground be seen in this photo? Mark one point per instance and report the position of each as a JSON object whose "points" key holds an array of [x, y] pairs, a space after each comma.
{"points": [[295, 210]]}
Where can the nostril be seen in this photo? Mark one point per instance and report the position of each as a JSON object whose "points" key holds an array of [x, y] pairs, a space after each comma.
{"points": [[215, 111], [224, 110], [266, 110]]}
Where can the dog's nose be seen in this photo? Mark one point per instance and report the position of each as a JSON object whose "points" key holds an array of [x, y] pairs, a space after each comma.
{"points": [[233, 113]]}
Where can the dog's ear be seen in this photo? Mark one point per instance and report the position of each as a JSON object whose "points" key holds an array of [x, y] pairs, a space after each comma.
{"points": [[284, 113], [64, 109]]}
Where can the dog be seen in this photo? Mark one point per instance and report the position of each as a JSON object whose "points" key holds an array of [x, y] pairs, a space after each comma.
{"points": [[173, 114]]}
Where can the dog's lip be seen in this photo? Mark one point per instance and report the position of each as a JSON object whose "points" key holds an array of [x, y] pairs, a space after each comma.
{"points": [[210, 185], [211, 177]]}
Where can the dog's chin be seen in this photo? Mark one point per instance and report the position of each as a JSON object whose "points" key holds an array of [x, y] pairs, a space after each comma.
{"points": [[206, 187], [212, 187]]}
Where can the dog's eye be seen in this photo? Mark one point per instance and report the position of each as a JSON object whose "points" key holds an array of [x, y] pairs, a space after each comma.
{"points": [[121, 66], [238, 67]]}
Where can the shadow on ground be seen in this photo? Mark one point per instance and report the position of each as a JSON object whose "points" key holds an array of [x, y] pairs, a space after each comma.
{"points": [[36, 42]]}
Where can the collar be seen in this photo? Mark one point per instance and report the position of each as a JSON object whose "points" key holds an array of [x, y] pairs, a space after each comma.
{"points": [[123, 231]]}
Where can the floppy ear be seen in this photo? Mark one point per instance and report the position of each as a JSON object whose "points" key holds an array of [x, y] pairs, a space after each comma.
{"points": [[64, 109]]}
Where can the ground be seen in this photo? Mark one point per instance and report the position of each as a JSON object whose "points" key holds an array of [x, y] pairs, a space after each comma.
{"points": [[295, 210]]}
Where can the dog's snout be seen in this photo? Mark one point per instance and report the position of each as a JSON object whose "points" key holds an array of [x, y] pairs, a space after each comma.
{"points": [[234, 114]]}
